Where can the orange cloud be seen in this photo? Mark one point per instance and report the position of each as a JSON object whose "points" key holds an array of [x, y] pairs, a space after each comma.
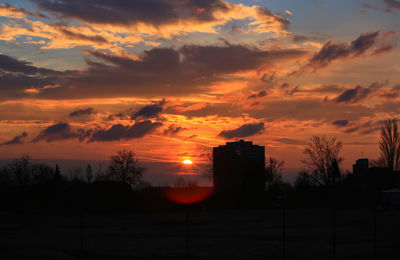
{"points": [[104, 34], [7, 10]]}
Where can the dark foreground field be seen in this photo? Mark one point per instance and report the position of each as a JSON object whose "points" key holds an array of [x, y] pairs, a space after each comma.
{"points": [[227, 234]]}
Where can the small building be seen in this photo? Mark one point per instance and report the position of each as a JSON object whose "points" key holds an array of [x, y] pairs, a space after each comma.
{"points": [[238, 170], [361, 167]]}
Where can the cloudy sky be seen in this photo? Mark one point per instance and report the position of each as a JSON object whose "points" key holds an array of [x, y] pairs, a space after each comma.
{"points": [[170, 79]]}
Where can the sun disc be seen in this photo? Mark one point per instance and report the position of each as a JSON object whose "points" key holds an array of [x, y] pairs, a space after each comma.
{"points": [[187, 162]]}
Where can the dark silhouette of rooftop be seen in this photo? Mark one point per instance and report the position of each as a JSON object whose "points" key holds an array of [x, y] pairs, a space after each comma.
{"points": [[238, 169], [361, 166]]}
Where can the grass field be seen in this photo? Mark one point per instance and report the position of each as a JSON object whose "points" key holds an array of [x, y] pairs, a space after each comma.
{"points": [[224, 234]]}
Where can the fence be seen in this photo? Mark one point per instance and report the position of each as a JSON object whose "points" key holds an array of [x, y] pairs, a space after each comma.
{"points": [[238, 234]]}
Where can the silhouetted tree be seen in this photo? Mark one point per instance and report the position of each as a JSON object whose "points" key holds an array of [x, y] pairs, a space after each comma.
{"points": [[89, 174], [273, 169], [305, 181], [5, 176], [22, 172], [100, 173], [41, 174], [390, 145], [380, 162], [58, 179], [276, 188], [57, 170], [125, 168], [207, 172], [321, 154], [75, 175]]}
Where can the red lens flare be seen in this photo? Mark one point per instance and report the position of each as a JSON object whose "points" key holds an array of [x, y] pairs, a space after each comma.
{"points": [[188, 195]]}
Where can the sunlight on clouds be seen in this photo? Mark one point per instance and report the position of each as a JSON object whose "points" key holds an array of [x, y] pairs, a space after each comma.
{"points": [[189, 76], [117, 37]]}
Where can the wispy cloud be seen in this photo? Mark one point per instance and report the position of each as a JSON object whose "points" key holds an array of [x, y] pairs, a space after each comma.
{"points": [[332, 51], [19, 139], [243, 131], [149, 111], [82, 112]]}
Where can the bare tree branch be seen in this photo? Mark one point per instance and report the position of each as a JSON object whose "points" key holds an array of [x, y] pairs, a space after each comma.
{"points": [[390, 145], [320, 156]]}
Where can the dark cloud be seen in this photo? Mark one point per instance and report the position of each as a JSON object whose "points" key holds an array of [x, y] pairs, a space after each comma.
{"points": [[217, 109], [383, 5], [293, 91], [340, 123], [302, 109], [19, 139], [329, 88], [284, 86], [387, 43], [153, 12], [231, 58], [119, 132], [289, 141], [119, 115], [366, 128], [352, 129], [261, 93], [310, 109], [173, 130], [391, 93], [362, 43], [352, 95], [332, 51], [149, 111], [383, 49], [63, 131], [13, 65], [79, 36], [14, 85], [82, 112], [16, 77], [392, 4], [164, 71], [304, 38], [243, 131], [370, 130], [335, 51], [358, 93], [59, 131]]}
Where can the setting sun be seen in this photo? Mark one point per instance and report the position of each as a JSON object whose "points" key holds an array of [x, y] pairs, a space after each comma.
{"points": [[187, 162]]}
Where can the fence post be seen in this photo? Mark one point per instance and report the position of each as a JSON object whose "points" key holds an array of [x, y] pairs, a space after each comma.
{"points": [[186, 232], [283, 232], [374, 231]]}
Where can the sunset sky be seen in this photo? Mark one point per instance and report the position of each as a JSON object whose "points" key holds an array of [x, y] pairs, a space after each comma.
{"points": [[170, 79]]}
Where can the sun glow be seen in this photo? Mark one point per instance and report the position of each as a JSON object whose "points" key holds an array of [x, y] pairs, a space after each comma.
{"points": [[187, 161]]}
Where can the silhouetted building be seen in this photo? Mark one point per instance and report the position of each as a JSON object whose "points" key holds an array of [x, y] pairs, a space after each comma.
{"points": [[361, 167], [238, 169]]}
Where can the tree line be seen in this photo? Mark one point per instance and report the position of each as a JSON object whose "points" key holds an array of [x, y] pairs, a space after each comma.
{"points": [[123, 168], [322, 160]]}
